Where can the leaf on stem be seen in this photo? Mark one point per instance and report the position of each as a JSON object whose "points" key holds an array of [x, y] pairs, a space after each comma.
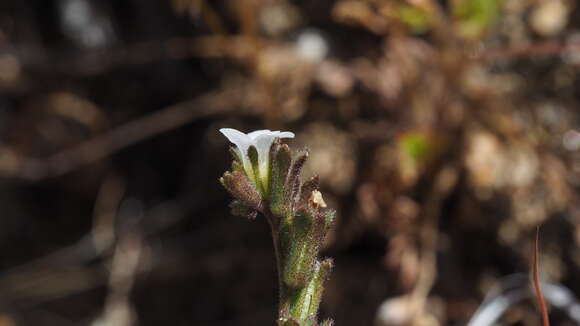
{"points": [[281, 159], [307, 300], [302, 251]]}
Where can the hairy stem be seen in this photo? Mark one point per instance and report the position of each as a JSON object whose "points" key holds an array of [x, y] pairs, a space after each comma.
{"points": [[270, 218]]}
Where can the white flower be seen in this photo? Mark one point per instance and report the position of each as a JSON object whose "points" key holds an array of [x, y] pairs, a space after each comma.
{"points": [[262, 140]]}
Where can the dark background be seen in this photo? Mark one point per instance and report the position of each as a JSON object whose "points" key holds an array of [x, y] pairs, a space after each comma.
{"points": [[444, 133]]}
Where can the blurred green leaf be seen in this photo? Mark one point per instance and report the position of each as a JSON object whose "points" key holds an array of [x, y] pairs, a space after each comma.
{"points": [[415, 145], [475, 17], [417, 19]]}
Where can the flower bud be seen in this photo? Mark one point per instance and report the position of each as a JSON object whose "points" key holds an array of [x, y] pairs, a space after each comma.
{"points": [[241, 188]]}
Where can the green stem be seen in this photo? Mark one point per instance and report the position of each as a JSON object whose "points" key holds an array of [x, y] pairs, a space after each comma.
{"points": [[270, 218], [298, 301]]}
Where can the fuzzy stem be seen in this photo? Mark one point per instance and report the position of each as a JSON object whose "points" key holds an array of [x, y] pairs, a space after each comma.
{"points": [[273, 228], [300, 304]]}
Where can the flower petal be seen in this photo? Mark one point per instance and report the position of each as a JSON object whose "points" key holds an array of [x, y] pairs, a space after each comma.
{"points": [[242, 142], [255, 134], [238, 138], [263, 144], [285, 134], [262, 140]]}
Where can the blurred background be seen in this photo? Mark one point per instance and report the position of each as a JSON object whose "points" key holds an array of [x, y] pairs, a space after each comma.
{"points": [[444, 133]]}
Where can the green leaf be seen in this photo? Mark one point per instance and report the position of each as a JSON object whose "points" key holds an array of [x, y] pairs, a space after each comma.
{"points": [[323, 273], [302, 251], [307, 233], [305, 303], [281, 159]]}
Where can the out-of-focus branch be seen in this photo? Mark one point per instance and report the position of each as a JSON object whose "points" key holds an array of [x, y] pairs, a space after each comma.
{"points": [[124, 268], [89, 63], [536, 49], [99, 147], [444, 183]]}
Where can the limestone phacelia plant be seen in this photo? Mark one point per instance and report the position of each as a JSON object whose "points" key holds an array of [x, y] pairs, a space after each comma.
{"points": [[265, 179]]}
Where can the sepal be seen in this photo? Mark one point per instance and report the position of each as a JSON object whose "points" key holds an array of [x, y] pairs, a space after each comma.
{"points": [[293, 180], [281, 159], [241, 188], [253, 156]]}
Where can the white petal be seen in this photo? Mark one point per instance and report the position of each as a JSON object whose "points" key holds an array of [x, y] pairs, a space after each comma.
{"points": [[285, 134], [242, 142], [262, 140], [238, 138], [263, 144], [255, 134]]}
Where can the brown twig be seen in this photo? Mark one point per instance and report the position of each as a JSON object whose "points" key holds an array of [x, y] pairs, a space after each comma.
{"points": [[90, 63], [118, 309], [536, 279], [101, 146], [444, 183], [277, 254], [109, 197], [538, 49]]}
